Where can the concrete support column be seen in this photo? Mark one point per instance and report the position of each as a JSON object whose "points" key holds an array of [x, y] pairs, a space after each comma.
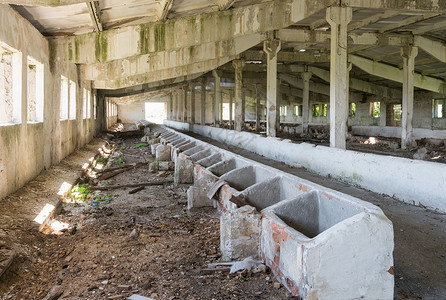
{"points": [[408, 53], [338, 18], [382, 113], [217, 96], [279, 103], [203, 102], [180, 105], [230, 110], [258, 108], [306, 101], [185, 106], [271, 47], [243, 107], [192, 104], [169, 108], [239, 123]]}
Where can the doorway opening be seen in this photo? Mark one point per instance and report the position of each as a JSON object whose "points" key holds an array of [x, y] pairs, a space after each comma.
{"points": [[155, 112]]}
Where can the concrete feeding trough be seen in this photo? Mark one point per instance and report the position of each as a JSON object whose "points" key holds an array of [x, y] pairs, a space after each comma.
{"points": [[201, 154], [319, 243], [211, 160], [242, 178], [329, 246], [272, 191], [226, 166]]}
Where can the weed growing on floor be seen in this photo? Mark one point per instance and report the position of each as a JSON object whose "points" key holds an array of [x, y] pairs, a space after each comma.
{"points": [[80, 192], [103, 198], [102, 160], [120, 160], [141, 145]]}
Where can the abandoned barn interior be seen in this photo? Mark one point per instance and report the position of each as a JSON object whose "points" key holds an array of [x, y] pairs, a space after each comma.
{"points": [[222, 149]]}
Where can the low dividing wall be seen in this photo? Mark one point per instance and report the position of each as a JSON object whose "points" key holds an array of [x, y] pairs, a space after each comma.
{"points": [[412, 181], [319, 243], [395, 132]]}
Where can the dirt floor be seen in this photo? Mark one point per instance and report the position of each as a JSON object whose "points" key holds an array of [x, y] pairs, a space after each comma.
{"points": [[118, 244]]}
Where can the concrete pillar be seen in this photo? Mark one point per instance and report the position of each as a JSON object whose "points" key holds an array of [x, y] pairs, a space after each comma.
{"points": [[279, 103], [180, 105], [271, 47], [170, 107], [230, 111], [338, 18], [306, 101], [408, 53], [203, 102], [258, 108], [238, 121], [192, 104], [217, 96], [243, 107], [185, 106], [382, 113]]}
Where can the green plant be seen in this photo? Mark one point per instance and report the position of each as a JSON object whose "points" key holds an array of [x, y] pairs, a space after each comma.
{"points": [[102, 160], [104, 198], [80, 192], [120, 160], [141, 145], [244, 278]]}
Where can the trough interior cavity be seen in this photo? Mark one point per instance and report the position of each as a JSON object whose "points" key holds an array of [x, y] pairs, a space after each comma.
{"points": [[270, 192], [311, 214], [226, 166], [242, 178]]}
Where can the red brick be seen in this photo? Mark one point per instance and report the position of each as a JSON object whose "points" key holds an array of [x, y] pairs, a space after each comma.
{"points": [[292, 287]]}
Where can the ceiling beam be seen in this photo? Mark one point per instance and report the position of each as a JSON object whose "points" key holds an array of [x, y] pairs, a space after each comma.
{"points": [[150, 87], [429, 28], [287, 57], [323, 37], [95, 14], [418, 5], [166, 64], [225, 4], [395, 74], [164, 6], [360, 85], [183, 32], [43, 2], [372, 19], [406, 22], [434, 48]]}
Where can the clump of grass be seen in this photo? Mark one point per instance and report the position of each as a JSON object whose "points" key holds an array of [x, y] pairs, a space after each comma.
{"points": [[103, 198], [80, 192], [102, 160], [120, 160], [141, 145]]}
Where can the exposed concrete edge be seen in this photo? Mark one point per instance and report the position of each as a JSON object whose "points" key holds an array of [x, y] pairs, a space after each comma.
{"points": [[412, 181]]}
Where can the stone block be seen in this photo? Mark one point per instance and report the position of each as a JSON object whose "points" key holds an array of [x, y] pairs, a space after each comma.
{"points": [[154, 167], [154, 141], [162, 152], [166, 165], [184, 171], [197, 194], [240, 233], [153, 148]]}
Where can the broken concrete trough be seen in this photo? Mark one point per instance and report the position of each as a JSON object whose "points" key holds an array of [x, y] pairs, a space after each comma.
{"points": [[319, 243]]}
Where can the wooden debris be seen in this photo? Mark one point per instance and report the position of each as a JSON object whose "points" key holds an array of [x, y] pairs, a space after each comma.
{"points": [[238, 200], [7, 256], [213, 270], [136, 190], [134, 185], [114, 173]]}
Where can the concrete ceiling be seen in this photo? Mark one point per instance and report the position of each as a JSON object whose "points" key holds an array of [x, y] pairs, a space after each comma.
{"points": [[378, 30]]}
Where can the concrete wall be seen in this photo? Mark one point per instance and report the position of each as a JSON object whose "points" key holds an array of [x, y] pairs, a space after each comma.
{"points": [[412, 181], [132, 112], [28, 148]]}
